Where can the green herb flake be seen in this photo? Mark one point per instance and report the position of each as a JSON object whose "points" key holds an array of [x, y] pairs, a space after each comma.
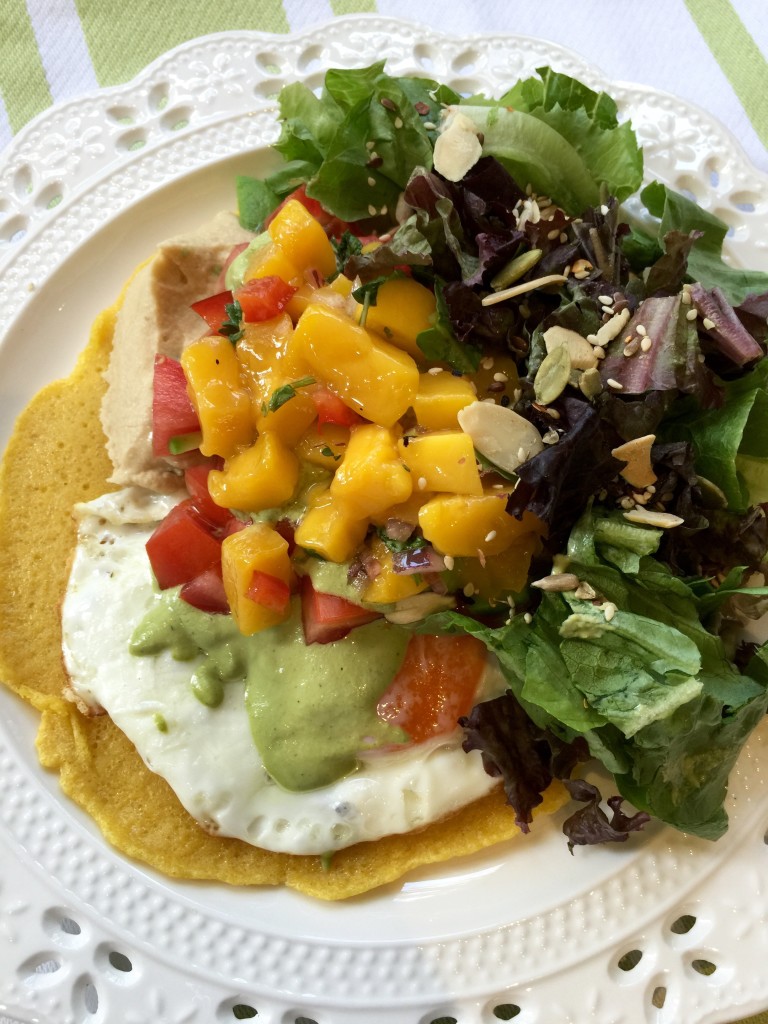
{"points": [[232, 327], [160, 722], [285, 393]]}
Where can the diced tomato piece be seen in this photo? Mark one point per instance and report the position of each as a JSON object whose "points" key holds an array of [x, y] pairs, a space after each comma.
{"points": [[326, 617], [196, 480], [221, 283], [233, 525], [331, 409], [213, 310], [436, 684], [182, 546], [206, 592], [263, 298], [334, 227], [172, 411], [269, 591]]}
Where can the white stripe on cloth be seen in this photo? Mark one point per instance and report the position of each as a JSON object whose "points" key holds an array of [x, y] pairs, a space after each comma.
{"points": [[5, 126], [302, 14], [63, 49]]}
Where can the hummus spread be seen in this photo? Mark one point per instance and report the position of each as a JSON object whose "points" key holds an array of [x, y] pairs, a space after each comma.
{"points": [[156, 319]]}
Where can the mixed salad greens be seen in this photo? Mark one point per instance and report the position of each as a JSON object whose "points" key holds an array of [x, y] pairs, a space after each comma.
{"points": [[627, 645]]}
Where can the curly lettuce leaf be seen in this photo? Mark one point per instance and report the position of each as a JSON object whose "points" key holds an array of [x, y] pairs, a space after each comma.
{"points": [[676, 213]]}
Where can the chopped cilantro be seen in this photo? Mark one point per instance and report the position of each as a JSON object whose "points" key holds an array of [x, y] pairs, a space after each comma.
{"points": [[285, 393], [232, 327], [348, 245]]}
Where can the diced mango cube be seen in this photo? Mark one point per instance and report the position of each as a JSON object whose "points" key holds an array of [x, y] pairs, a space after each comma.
{"points": [[404, 308], [374, 378], [442, 462], [219, 395], [407, 511], [271, 260], [262, 344], [289, 419], [440, 398], [390, 586], [334, 295], [504, 573], [462, 525], [261, 547], [329, 530], [371, 476], [263, 476], [324, 447], [302, 238]]}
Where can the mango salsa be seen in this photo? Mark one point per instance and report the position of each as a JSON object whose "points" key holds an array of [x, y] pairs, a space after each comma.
{"points": [[442, 462], [219, 395], [371, 476], [262, 476], [404, 308], [257, 547]]}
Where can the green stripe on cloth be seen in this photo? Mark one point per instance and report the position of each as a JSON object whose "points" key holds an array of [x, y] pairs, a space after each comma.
{"points": [[124, 38], [738, 55], [353, 6], [22, 78]]}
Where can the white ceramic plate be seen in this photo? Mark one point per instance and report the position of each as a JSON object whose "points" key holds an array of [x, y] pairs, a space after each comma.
{"points": [[524, 932]]}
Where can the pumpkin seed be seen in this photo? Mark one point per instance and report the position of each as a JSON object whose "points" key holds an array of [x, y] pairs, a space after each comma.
{"points": [[591, 383], [515, 269], [552, 376]]}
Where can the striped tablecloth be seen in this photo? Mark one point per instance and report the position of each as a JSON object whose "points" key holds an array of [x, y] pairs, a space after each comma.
{"points": [[710, 52]]}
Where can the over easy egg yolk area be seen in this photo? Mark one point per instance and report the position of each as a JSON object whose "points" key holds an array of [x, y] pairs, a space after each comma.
{"points": [[436, 684]]}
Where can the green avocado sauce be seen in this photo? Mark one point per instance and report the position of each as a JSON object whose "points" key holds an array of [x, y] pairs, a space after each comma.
{"points": [[312, 708]]}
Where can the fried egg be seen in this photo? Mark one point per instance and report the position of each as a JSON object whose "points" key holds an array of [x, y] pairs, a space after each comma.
{"points": [[207, 755]]}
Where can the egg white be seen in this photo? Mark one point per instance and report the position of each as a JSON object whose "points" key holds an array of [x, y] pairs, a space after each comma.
{"points": [[208, 755]]}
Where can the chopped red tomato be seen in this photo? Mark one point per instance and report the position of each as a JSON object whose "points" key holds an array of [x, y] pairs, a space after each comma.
{"points": [[326, 617], [334, 227], [173, 414], [213, 310], [331, 409], [436, 685], [206, 592], [182, 547], [196, 480], [269, 591], [263, 298]]}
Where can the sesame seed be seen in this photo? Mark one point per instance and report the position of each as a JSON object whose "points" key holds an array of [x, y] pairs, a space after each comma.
{"points": [[525, 310], [370, 144], [371, 182], [614, 384], [501, 377], [646, 343], [552, 413], [633, 347], [607, 300], [430, 126], [604, 210], [521, 454], [398, 122], [708, 324], [650, 489], [563, 237], [469, 590], [487, 363], [552, 235], [421, 483], [641, 330], [529, 189], [383, 210], [448, 562], [691, 314], [599, 352], [528, 618], [434, 370], [686, 298], [627, 503], [609, 610], [567, 271], [372, 210], [490, 536]]}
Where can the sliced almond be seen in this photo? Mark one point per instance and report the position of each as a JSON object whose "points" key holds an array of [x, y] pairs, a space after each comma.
{"points": [[581, 352], [638, 471], [500, 435], [457, 148], [647, 517]]}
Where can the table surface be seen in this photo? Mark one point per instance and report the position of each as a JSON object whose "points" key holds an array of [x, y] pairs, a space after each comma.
{"points": [[710, 52]]}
